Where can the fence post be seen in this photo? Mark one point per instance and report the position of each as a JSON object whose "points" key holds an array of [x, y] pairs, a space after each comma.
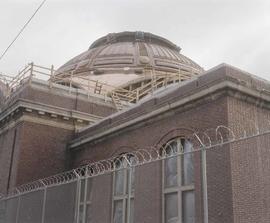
{"points": [[18, 208], [44, 204], [78, 197], [204, 185]]}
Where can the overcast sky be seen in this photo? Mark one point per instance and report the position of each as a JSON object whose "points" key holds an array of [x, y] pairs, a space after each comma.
{"points": [[209, 31]]}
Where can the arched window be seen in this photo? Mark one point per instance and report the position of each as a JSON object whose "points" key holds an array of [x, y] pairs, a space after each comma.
{"points": [[123, 190], [178, 182], [85, 197]]}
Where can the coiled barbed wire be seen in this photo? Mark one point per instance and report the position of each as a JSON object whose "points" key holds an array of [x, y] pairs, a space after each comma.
{"points": [[201, 140]]}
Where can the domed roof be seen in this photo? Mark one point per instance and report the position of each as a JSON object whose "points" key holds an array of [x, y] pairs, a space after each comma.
{"points": [[115, 55], [130, 51]]}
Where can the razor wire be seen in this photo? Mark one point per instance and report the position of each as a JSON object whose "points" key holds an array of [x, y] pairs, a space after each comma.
{"points": [[211, 138]]}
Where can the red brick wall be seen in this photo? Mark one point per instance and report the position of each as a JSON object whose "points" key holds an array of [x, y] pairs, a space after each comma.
{"points": [[8, 150], [42, 152], [152, 132], [250, 162], [35, 151]]}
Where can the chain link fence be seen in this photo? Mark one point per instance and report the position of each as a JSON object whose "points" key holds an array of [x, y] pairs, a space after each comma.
{"points": [[211, 177]]}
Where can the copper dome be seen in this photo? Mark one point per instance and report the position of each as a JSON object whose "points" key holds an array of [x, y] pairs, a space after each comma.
{"points": [[115, 55]]}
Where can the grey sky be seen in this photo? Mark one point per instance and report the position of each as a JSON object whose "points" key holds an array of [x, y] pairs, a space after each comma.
{"points": [[208, 31]]}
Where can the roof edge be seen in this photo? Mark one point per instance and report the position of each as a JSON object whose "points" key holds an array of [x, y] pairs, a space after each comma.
{"points": [[223, 76], [133, 36]]}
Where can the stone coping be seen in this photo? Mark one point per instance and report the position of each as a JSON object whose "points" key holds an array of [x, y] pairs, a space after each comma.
{"points": [[214, 80]]}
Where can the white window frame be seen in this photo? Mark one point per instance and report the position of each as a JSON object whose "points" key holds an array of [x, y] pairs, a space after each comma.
{"points": [[179, 188], [128, 193], [83, 201]]}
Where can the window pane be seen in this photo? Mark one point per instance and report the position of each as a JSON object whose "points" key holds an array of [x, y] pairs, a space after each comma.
{"points": [[82, 190], [119, 182], [118, 212], [81, 214], [171, 172], [89, 190], [131, 211], [131, 177], [171, 208], [132, 172], [187, 164], [88, 218], [188, 206], [171, 165], [172, 148]]}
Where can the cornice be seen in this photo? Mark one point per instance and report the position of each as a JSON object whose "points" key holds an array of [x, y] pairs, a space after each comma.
{"points": [[225, 87], [22, 110]]}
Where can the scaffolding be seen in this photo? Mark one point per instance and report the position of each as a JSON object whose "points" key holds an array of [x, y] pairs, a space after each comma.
{"points": [[122, 97]]}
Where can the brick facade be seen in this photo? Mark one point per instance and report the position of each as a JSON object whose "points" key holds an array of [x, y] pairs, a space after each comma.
{"points": [[37, 123], [230, 172], [237, 175]]}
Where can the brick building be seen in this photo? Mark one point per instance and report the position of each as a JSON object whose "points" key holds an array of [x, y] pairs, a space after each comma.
{"points": [[135, 90]]}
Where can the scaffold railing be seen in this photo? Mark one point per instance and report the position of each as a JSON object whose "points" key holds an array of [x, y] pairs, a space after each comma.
{"points": [[121, 96]]}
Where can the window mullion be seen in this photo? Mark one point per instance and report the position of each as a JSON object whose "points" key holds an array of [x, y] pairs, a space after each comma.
{"points": [[181, 187], [129, 192], [188, 187], [125, 180], [126, 194]]}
